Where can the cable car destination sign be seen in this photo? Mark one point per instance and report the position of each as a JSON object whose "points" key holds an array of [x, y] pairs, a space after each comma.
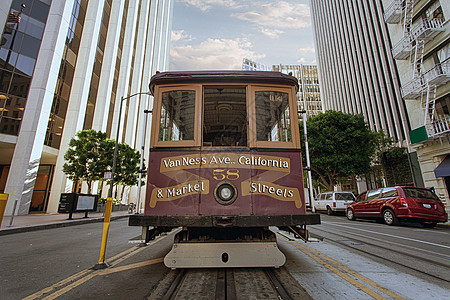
{"points": [[233, 167]]}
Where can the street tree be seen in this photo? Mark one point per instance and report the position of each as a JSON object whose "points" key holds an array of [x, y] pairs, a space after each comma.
{"points": [[340, 145], [128, 165], [391, 162], [88, 157]]}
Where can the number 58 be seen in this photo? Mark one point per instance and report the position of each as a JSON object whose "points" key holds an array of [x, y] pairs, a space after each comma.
{"points": [[221, 174]]}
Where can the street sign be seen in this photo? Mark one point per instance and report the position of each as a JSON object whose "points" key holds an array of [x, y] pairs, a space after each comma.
{"points": [[107, 175]]}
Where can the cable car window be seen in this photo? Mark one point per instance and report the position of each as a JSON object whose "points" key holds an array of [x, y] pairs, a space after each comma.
{"points": [[272, 116], [177, 116], [225, 116]]}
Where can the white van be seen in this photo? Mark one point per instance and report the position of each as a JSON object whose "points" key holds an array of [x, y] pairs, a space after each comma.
{"points": [[333, 201]]}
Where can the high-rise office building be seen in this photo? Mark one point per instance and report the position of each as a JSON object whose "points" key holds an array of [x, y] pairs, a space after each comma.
{"points": [[357, 72], [64, 66], [308, 97], [420, 36], [250, 65]]}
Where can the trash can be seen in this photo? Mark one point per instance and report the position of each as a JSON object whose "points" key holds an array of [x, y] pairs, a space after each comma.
{"points": [[3, 201]]}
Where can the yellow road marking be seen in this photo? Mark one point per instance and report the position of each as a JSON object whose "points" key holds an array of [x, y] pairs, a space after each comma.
{"points": [[121, 259], [70, 286], [327, 263], [100, 273], [57, 285], [89, 273], [356, 274], [132, 266], [340, 273], [121, 254]]}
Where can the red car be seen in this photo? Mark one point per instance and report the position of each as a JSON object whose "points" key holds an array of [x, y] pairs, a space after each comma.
{"points": [[399, 203]]}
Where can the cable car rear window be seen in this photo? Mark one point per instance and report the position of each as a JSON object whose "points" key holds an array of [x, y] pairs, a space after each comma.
{"points": [[272, 116], [177, 116]]}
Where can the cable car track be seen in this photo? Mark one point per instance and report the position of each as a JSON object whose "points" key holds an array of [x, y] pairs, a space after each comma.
{"points": [[230, 284], [355, 237]]}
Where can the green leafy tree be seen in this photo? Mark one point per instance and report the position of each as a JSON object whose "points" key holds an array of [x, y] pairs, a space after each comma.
{"points": [[391, 162], [127, 168], [91, 153], [88, 157], [340, 145]]}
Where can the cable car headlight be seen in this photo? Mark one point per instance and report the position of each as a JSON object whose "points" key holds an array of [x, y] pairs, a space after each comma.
{"points": [[225, 193]]}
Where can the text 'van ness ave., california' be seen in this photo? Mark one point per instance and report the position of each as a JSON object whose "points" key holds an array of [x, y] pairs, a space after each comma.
{"points": [[210, 160]]}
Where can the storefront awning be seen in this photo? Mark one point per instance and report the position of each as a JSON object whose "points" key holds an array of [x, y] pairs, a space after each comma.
{"points": [[443, 170]]}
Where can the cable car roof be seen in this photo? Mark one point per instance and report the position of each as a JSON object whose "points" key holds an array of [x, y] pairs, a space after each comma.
{"points": [[230, 76]]}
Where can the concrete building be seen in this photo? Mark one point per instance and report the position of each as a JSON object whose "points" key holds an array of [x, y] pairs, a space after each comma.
{"points": [[250, 65], [308, 97], [420, 36], [64, 66], [357, 71]]}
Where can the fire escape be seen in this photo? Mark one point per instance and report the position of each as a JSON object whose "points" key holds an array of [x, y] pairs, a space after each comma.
{"points": [[423, 84]]}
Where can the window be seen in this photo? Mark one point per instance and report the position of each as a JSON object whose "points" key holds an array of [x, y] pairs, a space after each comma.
{"points": [[177, 116], [435, 11], [225, 116], [389, 192], [344, 196], [361, 197], [373, 194], [272, 116], [420, 193]]}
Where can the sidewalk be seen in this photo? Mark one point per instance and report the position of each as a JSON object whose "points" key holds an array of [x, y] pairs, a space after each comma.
{"points": [[33, 222]]}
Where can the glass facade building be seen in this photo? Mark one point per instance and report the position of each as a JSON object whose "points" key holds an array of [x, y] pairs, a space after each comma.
{"points": [[63, 68]]}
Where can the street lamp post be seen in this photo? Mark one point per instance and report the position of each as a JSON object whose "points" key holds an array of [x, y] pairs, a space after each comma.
{"points": [[101, 261], [308, 162], [141, 163]]}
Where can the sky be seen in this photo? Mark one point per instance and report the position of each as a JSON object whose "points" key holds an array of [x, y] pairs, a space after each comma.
{"points": [[219, 34]]}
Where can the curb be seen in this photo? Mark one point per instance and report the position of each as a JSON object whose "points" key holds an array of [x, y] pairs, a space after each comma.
{"points": [[5, 231]]}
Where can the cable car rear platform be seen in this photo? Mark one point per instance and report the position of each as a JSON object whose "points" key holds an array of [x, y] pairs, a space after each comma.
{"points": [[154, 225], [224, 240], [224, 220]]}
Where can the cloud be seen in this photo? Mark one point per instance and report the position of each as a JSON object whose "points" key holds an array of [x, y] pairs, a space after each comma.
{"points": [[280, 15], [217, 54], [205, 5], [306, 50], [307, 55], [272, 33], [179, 35]]}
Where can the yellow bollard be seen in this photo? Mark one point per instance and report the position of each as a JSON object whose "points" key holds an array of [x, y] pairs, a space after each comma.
{"points": [[3, 201], [106, 221]]}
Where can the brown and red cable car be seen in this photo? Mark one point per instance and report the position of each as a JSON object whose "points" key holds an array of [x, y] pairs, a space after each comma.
{"points": [[224, 164]]}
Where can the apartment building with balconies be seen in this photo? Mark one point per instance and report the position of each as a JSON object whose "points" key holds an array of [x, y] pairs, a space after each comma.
{"points": [[420, 37]]}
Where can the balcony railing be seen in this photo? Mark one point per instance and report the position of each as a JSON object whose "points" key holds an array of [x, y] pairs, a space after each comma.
{"points": [[424, 31], [439, 74], [402, 49], [413, 89], [396, 10], [427, 29], [440, 126]]}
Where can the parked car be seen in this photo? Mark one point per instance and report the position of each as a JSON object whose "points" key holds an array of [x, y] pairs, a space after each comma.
{"points": [[399, 203], [332, 202]]}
